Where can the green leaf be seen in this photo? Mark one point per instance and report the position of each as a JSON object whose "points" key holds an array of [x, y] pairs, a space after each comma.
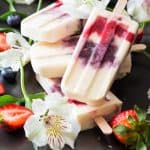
{"points": [[141, 146], [141, 25], [35, 147], [11, 5], [8, 99], [8, 29], [147, 54], [4, 16], [23, 89], [146, 22], [122, 130], [132, 121], [40, 95], [131, 140], [147, 135], [140, 113]]}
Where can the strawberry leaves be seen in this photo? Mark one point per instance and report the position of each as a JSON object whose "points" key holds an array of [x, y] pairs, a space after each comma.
{"points": [[132, 121], [122, 130], [141, 114], [141, 146], [132, 128]]}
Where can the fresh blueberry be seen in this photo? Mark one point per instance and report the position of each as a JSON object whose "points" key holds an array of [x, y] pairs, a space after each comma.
{"points": [[13, 20], [9, 75]]}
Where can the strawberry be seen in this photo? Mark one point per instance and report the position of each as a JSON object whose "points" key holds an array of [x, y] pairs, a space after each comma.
{"points": [[139, 35], [2, 89], [13, 116], [132, 129], [3, 43]]}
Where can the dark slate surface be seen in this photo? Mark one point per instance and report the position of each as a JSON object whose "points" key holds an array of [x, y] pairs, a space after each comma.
{"points": [[132, 90]]}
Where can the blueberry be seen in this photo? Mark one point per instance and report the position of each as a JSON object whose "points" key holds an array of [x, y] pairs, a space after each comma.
{"points": [[9, 75], [13, 20]]}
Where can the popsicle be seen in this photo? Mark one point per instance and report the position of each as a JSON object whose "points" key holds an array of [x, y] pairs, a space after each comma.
{"points": [[85, 114], [50, 24], [102, 47], [51, 59]]}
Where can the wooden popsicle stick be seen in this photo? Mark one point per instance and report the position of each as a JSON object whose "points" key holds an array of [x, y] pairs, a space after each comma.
{"points": [[103, 125], [138, 47], [119, 6]]}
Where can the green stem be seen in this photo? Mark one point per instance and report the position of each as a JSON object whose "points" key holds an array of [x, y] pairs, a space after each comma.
{"points": [[35, 146], [146, 54], [145, 22], [8, 29], [11, 5], [30, 41], [39, 5], [22, 81]]}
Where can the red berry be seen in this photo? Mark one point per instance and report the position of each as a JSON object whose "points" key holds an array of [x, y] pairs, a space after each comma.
{"points": [[2, 89], [3, 43], [13, 116]]}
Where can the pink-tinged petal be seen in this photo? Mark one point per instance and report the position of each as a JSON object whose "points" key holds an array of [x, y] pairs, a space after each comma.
{"points": [[56, 142]]}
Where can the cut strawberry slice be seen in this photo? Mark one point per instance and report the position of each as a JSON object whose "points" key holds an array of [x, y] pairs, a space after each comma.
{"points": [[13, 116], [3, 43]]}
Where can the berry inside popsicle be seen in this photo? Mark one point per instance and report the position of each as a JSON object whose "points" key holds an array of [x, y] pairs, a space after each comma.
{"points": [[102, 47], [84, 113], [51, 24]]}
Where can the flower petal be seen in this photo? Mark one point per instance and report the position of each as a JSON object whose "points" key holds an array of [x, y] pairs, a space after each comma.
{"points": [[82, 8], [71, 136], [139, 10], [10, 58], [53, 99], [105, 2], [35, 131], [70, 139], [56, 143], [38, 107]]}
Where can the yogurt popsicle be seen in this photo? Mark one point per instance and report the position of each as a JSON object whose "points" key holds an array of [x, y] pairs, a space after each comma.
{"points": [[50, 24], [51, 59], [102, 47], [85, 114]]}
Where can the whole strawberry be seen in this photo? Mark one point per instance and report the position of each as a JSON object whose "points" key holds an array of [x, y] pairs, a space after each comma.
{"points": [[132, 129]]}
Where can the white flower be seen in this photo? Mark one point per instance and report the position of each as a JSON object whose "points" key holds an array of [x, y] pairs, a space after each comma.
{"points": [[82, 8], [19, 47], [139, 9], [52, 123], [28, 2]]}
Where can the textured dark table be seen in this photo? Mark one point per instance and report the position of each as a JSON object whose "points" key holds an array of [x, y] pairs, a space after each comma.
{"points": [[132, 90]]}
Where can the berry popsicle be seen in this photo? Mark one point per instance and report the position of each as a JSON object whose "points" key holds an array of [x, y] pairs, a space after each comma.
{"points": [[85, 114], [51, 59], [102, 47], [50, 24]]}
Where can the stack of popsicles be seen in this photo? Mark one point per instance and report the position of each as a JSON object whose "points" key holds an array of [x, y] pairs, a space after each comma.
{"points": [[87, 62]]}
